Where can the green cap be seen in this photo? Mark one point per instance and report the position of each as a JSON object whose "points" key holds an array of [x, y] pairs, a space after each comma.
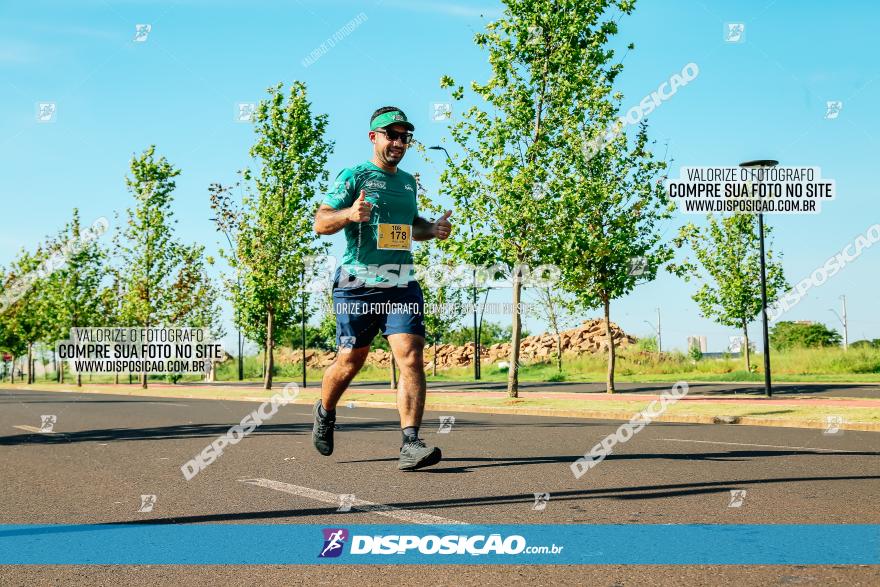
{"points": [[389, 118]]}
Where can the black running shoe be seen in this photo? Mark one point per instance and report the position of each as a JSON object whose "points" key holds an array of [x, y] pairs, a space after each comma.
{"points": [[415, 454], [322, 431]]}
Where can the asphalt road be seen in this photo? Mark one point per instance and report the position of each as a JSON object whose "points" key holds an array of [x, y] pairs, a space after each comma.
{"points": [[107, 451]]}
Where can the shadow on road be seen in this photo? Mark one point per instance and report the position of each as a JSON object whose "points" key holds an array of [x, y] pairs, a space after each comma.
{"points": [[623, 493], [183, 431], [732, 455]]}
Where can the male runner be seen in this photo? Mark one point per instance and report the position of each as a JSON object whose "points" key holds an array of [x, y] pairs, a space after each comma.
{"points": [[375, 203]]}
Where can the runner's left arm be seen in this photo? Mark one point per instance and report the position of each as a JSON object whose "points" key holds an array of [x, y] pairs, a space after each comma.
{"points": [[422, 229]]}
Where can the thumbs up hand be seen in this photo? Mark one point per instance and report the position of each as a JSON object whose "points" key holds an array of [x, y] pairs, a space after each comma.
{"points": [[360, 210], [442, 228]]}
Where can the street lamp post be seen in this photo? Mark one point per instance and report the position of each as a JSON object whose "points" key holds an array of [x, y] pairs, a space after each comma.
{"points": [[474, 287], [763, 164], [659, 337], [843, 322], [303, 323], [659, 340]]}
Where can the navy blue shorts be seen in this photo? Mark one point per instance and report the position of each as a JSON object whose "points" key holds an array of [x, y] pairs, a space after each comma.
{"points": [[361, 312]]}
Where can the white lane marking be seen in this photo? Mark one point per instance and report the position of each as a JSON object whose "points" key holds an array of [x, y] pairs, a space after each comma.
{"points": [[27, 428], [761, 445], [408, 516]]}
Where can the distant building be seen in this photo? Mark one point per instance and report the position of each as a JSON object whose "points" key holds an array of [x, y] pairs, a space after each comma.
{"points": [[737, 343], [699, 342]]}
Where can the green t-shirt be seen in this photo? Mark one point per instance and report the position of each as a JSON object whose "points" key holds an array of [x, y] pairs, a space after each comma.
{"points": [[393, 196]]}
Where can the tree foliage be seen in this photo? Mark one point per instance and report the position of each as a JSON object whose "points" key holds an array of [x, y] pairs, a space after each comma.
{"points": [[272, 228], [727, 252], [546, 58], [787, 335]]}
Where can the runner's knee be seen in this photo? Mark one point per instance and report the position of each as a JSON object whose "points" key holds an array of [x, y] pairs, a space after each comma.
{"points": [[410, 360], [353, 358]]}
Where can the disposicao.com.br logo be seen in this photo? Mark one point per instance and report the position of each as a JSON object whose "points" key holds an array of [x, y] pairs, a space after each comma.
{"points": [[452, 544]]}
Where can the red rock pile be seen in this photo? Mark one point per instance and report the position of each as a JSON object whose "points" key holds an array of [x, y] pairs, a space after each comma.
{"points": [[589, 337]]}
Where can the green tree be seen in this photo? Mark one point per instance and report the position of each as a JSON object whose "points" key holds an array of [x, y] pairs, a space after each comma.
{"points": [[27, 308], [544, 55], [195, 299], [273, 227], [326, 331], [72, 289], [601, 194], [153, 263], [111, 298], [557, 310], [727, 251], [11, 340], [613, 208], [868, 344], [786, 335], [443, 303], [647, 343]]}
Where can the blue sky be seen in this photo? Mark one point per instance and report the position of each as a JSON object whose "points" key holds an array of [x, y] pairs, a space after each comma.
{"points": [[762, 98]]}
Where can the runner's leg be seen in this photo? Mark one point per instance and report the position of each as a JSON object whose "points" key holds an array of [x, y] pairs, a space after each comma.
{"points": [[340, 373], [408, 354]]}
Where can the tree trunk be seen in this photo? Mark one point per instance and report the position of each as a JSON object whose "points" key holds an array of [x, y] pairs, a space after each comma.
{"points": [[516, 330], [12, 370], [79, 379], [435, 357], [116, 378], [269, 359], [61, 372], [144, 380], [748, 356], [30, 363], [609, 382], [559, 351]]}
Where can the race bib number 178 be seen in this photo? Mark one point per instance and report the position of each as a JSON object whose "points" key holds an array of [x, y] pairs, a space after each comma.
{"points": [[394, 237]]}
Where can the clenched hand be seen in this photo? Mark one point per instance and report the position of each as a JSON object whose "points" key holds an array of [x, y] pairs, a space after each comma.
{"points": [[360, 210]]}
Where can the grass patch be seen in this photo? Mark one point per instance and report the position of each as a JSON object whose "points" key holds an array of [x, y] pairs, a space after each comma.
{"points": [[820, 365], [808, 365]]}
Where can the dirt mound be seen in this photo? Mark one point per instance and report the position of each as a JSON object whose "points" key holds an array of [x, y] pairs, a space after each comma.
{"points": [[589, 337]]}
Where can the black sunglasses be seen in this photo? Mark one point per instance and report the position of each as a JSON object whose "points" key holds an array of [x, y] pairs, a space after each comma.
{"points": [[393, 135]]}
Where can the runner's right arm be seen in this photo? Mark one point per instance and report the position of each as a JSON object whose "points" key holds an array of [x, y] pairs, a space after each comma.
{"points": [[340, 206], [328, 220]]}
